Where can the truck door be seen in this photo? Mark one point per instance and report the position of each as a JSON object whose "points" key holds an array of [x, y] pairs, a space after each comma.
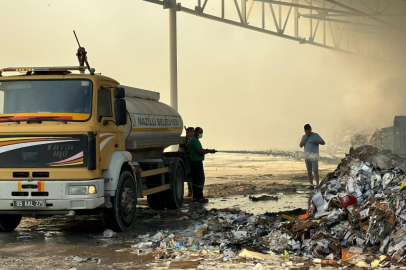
{"points": [[111, 136]]}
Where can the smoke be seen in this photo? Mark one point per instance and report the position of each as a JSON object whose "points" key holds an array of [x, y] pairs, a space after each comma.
{"points": [[380, 94], [248, 90], [263, 89]]}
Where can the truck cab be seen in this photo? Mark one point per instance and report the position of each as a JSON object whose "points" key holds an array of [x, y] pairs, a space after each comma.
{"points": [[64, 148]]}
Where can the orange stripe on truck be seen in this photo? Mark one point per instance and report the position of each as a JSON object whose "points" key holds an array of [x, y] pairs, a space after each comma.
{"points": [[23, 141]]}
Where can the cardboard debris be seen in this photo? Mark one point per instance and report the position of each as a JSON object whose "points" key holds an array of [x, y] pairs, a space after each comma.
{"points": [[376, 262], [255, 255], [200, 232], [351, 253]]}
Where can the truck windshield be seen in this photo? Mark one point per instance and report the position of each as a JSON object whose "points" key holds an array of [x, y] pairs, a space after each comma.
{"points": [[47, 99]]}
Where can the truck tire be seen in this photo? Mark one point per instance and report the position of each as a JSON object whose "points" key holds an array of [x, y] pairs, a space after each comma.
{"points": [[156, 201], [121, 216], [9, 222], [174, 196]]}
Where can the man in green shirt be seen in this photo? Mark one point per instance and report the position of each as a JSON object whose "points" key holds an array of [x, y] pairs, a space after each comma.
{"points": [[197, 154], [190, 131]]}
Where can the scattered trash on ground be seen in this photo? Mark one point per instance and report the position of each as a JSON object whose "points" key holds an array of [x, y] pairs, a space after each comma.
{"points": [[357, 217], [109, 234], [263, 198], [24, 237], [78, 259]]}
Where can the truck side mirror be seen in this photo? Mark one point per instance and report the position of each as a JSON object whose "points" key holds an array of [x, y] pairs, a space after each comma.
{"points": [[120, 112], [119, 92]]}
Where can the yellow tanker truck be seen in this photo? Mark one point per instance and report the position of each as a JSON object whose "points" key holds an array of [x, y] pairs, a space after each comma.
{"points": [[75, 143]]}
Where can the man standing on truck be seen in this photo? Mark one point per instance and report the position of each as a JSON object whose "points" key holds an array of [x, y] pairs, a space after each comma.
{"points": [[185, 148], [311, 142], [197, 154]]}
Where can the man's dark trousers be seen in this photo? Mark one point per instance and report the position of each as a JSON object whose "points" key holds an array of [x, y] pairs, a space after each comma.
{"points": [[198, 179]]}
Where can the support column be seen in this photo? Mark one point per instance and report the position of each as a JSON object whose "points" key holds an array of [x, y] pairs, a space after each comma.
{"points": [[244, 11], [296, 19], [173, 57]]}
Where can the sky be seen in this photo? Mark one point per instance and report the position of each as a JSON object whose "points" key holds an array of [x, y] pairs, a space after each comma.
{"points": [[248, 90]]}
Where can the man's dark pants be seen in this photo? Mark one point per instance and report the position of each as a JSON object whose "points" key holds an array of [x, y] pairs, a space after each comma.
{"points": [[198, 179]]}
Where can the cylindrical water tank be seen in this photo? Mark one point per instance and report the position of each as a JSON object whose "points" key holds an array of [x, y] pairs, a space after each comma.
{"points": [[150, 123]]}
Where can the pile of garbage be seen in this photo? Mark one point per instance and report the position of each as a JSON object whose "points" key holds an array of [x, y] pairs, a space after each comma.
{"points": [[219, 231], [356, 217], [382, 138], [358, 214], [381, 158]]}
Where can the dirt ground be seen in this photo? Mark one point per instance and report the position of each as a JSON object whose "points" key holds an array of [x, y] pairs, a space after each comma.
{"points": [[242, 174], [78, 242]]}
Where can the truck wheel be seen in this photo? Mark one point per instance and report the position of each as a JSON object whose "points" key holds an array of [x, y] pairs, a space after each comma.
{"points": [[155, 201], [174, 196], [9, 222], [121, 216]]}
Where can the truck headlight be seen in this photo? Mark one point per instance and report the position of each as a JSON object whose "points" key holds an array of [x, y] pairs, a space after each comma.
{"points": [[92, 190], [82, 190], [78, 190]]}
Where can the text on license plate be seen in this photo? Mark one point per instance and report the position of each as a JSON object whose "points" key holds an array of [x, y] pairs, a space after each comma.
{"points": [[29, 203]]}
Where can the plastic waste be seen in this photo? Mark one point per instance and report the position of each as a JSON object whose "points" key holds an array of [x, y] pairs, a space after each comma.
{"points": [[286, 255], [142, 245], [348, 200], [109, 234]]}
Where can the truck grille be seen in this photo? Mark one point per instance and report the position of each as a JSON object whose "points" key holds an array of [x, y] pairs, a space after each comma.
{"points": [[29, 186], [21, 174], [34, 174], [21, 193], [39, 193], [40, 174]]}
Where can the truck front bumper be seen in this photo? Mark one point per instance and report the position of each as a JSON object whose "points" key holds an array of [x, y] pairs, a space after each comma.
{"points": [[54, 193]]}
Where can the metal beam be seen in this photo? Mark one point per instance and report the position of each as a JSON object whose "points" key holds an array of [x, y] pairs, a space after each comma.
{"points": [[244, 11], [357, 23], [286, 20], [250, 10], [315, 30], [296, 19], [154, 172], [155, 190], [356, 11], [263, 14], [204, 5], [164, 3], [388, 6], [368, 6], [238, 11], [230, 22], [322, 17], [257, 29], [365, 15], [274, 17], [325, 10]]}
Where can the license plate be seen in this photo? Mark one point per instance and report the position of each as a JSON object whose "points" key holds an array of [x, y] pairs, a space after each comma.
{"points": [[29, 203]]}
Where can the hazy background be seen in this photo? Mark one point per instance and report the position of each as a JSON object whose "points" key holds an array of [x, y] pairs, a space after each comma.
{"points": [[246, 89]]}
